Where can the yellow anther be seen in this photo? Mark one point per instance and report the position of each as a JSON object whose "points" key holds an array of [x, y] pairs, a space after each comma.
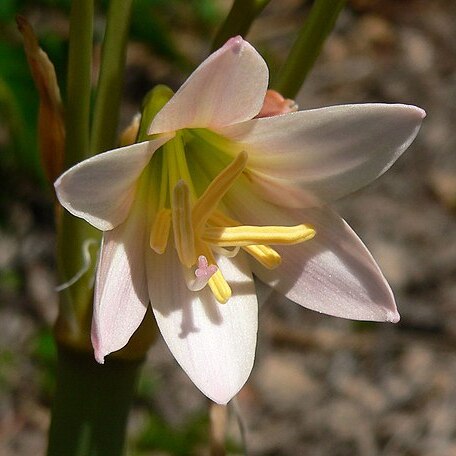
{"points": [[217, 283], [182, 224], [160, 230], [208, 201], [219, 286], [249, 235], [265, 255]]}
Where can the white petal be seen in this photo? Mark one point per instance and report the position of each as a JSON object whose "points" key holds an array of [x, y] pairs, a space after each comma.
{"points": [[333, 273], [121, 296], [329, 152], [214, 343], [228, 87], [101, 189]]}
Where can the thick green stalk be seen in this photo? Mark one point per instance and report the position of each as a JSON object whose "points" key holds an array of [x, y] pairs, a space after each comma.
{"points": [[91, 404], [76, 300], [239, 20], [79, 78], [110, 82], [307, 46], [75, 304]]}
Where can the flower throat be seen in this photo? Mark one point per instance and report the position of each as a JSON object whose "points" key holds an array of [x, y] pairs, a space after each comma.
{"points": [[201, 229]]}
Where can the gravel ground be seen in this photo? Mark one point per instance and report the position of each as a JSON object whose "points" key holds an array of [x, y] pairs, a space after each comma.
{"points": [[321, 386]]}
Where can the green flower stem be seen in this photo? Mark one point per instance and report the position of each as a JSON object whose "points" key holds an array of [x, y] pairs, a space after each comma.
{"points": [[75, 301], [307, 46], [75, 310], [107, 103], [79, 78], [91, 405], [239, 20]]}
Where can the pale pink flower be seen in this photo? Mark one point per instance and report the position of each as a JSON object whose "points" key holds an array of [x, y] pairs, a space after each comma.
{"points": [[170, 209]]}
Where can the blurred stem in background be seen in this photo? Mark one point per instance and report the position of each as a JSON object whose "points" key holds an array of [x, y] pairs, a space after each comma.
{"points": [[239, 20], [218, 417], [110, 82], [76, 300], [91, 405], [306, 49], [307, 46], [79, 77]]}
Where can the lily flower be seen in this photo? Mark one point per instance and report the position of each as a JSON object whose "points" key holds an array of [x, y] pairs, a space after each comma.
{"points": [[216, 194]]}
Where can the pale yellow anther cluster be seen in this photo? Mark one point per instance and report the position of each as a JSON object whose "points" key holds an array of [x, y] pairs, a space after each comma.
{"points": [[201, 228]]}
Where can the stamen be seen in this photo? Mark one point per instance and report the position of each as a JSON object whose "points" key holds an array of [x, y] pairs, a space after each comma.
{"points": [[203, 273], [182, 224], [208, 201], [265, 255], [176, 162], [181, 161], [170, 157], [220, 219], [220, 288], [163, 192], [250, 235], [160, 231]]}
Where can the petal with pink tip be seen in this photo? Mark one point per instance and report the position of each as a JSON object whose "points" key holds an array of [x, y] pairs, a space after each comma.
{"points": [[101, 189], [333, 273], [121, 296], [214, 343], [329, 152], [228, 87]]}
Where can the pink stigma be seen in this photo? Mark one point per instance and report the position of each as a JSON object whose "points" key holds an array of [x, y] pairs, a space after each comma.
{"points": [[203, 272]]}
